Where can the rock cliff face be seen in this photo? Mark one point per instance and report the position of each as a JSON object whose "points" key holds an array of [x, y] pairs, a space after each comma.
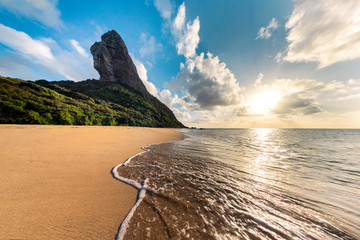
{"points": [[113, 62]]}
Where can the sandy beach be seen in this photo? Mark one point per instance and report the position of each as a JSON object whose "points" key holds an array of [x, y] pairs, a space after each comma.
{"points": [[56, 181]]}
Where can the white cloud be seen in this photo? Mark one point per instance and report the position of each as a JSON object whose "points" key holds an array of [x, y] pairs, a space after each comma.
{"points": [[208, 83], [212, 96], [142, 72], [349, 97], [308, 96], [286, 97], [24, 43], [143, 76], [47, 53], [44, 11], [78, 48], [342, 91], [182, 116], [179, 21], [290, 86], [258, 79], [278, 57], [354, 82], [149, 46], [167, 98], [265, 32], [164, 7], [296, 103], [324, 31], [186, 35], [209, 88]]}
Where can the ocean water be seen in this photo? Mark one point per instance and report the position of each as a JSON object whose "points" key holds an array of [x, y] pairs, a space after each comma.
{"points": [[247, 184]]}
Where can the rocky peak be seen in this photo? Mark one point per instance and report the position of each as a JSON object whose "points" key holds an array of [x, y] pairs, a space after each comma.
{"points": [[114, 64]]}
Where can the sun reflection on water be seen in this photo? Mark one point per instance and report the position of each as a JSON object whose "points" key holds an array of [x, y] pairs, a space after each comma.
{"points": [[262, 134], [265, 156], [273, 164]]}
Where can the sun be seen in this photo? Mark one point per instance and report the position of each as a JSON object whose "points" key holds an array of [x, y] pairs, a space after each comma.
{"points": [[264, 102]]}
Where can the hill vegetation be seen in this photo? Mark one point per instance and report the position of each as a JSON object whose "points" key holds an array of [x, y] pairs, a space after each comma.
{"points": [[89, 102]]}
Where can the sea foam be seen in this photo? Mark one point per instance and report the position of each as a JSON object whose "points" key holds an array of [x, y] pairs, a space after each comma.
{"points": [[135, 184]]}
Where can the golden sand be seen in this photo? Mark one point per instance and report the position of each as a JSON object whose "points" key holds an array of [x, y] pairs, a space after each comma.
{"points": [[55, 181]]}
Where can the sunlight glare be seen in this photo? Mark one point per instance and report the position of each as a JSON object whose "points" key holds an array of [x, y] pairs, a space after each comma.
{"points": [[263, 102]]}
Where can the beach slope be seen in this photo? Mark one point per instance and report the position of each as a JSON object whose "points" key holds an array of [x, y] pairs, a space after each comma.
{"points": [[56, 181]]}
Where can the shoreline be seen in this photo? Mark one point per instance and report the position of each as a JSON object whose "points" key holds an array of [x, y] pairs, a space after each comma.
{"points": [[79, 199], [141, 187]]}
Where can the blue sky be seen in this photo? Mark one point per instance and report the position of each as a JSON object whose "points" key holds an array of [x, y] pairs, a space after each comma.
{"points": [[234, 63]]}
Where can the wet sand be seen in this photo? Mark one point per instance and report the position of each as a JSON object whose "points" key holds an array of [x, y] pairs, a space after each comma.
{"points": [[56, 181]]}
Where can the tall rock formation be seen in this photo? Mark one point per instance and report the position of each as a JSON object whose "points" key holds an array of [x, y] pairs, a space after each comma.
{"points": [[113, 62]]}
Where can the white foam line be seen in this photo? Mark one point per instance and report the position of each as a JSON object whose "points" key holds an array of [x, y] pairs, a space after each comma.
{"points": [[141, 194], [125, 223], [116, 175], [129, 159], [125, 180]]}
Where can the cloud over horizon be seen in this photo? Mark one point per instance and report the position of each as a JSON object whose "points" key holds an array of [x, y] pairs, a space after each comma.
{"points": [[298, 97]]}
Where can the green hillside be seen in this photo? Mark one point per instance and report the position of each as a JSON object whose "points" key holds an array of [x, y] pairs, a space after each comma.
{"points": [[89, 102]]}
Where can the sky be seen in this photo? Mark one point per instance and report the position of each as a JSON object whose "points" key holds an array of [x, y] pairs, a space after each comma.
{"points": [[233, 64]]}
